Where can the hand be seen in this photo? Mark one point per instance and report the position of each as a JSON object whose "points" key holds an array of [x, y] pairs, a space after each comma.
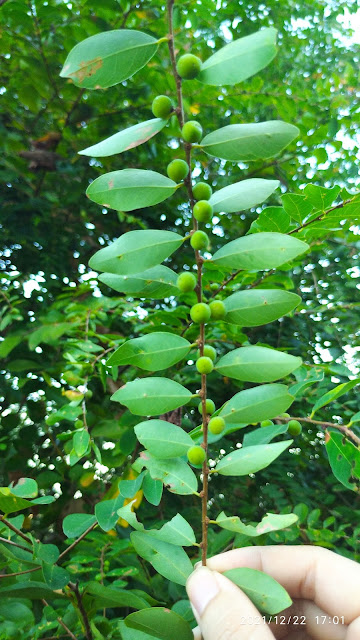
{"points": [[320, 582]]}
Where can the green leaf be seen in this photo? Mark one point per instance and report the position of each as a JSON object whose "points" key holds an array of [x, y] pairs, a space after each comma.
{"points": [[81, 442], [126, 139], [128, 488], [270, 522], [76, 523], [247, 460], [160, 623], [177, 531], [131, 634], [335, 393], [259, 251], [163, 439], [254, 307], [135, 251], [157, 282], [153, 352], [9, 502], [344, 460], [271, 219], [257, 364], [152, 396], [108, 597], [130, 189], [152, 489], [246, 142], [25, 488], [108, 58], [8, 344], [306, 376], [242, 195], [106, 512], [263, 435], [54, 576], [18, 613], [240, 59], [167, 559], [30, 589], [297, 206], [256, 404], [320, 197], [176, 474], [267, 595]]}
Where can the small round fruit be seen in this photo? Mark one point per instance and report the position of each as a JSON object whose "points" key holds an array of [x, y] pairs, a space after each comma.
{"points": [[188, 66], [294, 427], [210, 407], [89, 394], [192, 131], [209, 351], [199, 240], [214, 286], [203, 211], [266, 423], [217, 309], [177, 170], [202, 191], [200, 313], [284, 415], [161, 107], [186, 282], [204, 365], [216, 425], [196, 455], [78, 424]]}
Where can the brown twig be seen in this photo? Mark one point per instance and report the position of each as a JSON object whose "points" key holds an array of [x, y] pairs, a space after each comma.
{"points": [[70, 548], [15, 530], [15, 544], [18, 573], [75, 588], [46, 604], [322, 423], [320, 216]]}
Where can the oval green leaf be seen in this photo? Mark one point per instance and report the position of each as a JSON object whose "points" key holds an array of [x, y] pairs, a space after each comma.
{"points": [[163, 439], [270, 522], [344, 460], [157, 282], [263, 435], [136, 251], [76, 523], [256, 404], [242, 195], [257, 364], [153, 352], [108, 58], [240, 59], [174, 473], [126, 139], [246, 142], [167, 559], [153, 489], [81, 442], [160, 623], [259, 251], [152, 396], [255, 307], [130, 189], [241, 462], [266, 593]]}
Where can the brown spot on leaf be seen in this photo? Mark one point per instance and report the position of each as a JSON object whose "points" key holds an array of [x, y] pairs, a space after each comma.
{"points": [[111, 184], [87, 68]]}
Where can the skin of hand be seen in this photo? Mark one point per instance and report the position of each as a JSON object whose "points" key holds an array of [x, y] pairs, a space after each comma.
{"points": [[320, 583]]}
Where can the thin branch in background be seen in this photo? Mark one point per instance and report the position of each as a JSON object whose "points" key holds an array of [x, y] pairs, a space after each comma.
{"points": [[60, 621], [15, 544], [83, 535], [75, 588], [18, 573], [15, 530], [322, 423]]}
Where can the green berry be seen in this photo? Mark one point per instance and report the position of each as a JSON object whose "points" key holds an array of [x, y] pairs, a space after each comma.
{"points": [[204, 365], [89, 394], [186, 282], [284, 415], [188, 66], [161, 107], [192, 131], [216, 425], [294, 427], [202, 191], [210, 407], [266, 423], [196, 455], [177, 170], [78, 424], [209, 351], [199, 240], [203, 211], [214, 286], [218, 310], [200, 313]]}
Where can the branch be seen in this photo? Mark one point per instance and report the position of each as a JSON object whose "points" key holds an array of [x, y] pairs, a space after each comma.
{"points": [[343, 428], [15, 530], [15, 544], [75, 589], [320, 216], [18, 573], [63, 554], [61, 622]]}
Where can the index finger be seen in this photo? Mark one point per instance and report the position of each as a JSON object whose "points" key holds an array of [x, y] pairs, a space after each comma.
{"points": [[312, 573]]}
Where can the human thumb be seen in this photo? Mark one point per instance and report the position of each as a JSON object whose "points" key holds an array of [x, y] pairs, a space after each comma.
{"points": [[222, 610]]}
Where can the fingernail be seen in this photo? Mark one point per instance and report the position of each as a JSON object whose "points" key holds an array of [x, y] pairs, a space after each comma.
{"points": [[201, 588]]}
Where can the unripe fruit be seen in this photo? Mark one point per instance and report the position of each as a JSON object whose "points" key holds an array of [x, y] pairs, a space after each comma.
{"points": [[199, 240], [210, 407], [200, 313], [209, 351], [266, 423], [202, 191], [186, 282], [188, 66], [214, 286], [161, 107], [196, 455], [217, 309], [78, 424], [284, 415], [89, 394], [204, 365], [203, 211], [177, 170], [192, 131], [216, 425], [294, 428]]}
